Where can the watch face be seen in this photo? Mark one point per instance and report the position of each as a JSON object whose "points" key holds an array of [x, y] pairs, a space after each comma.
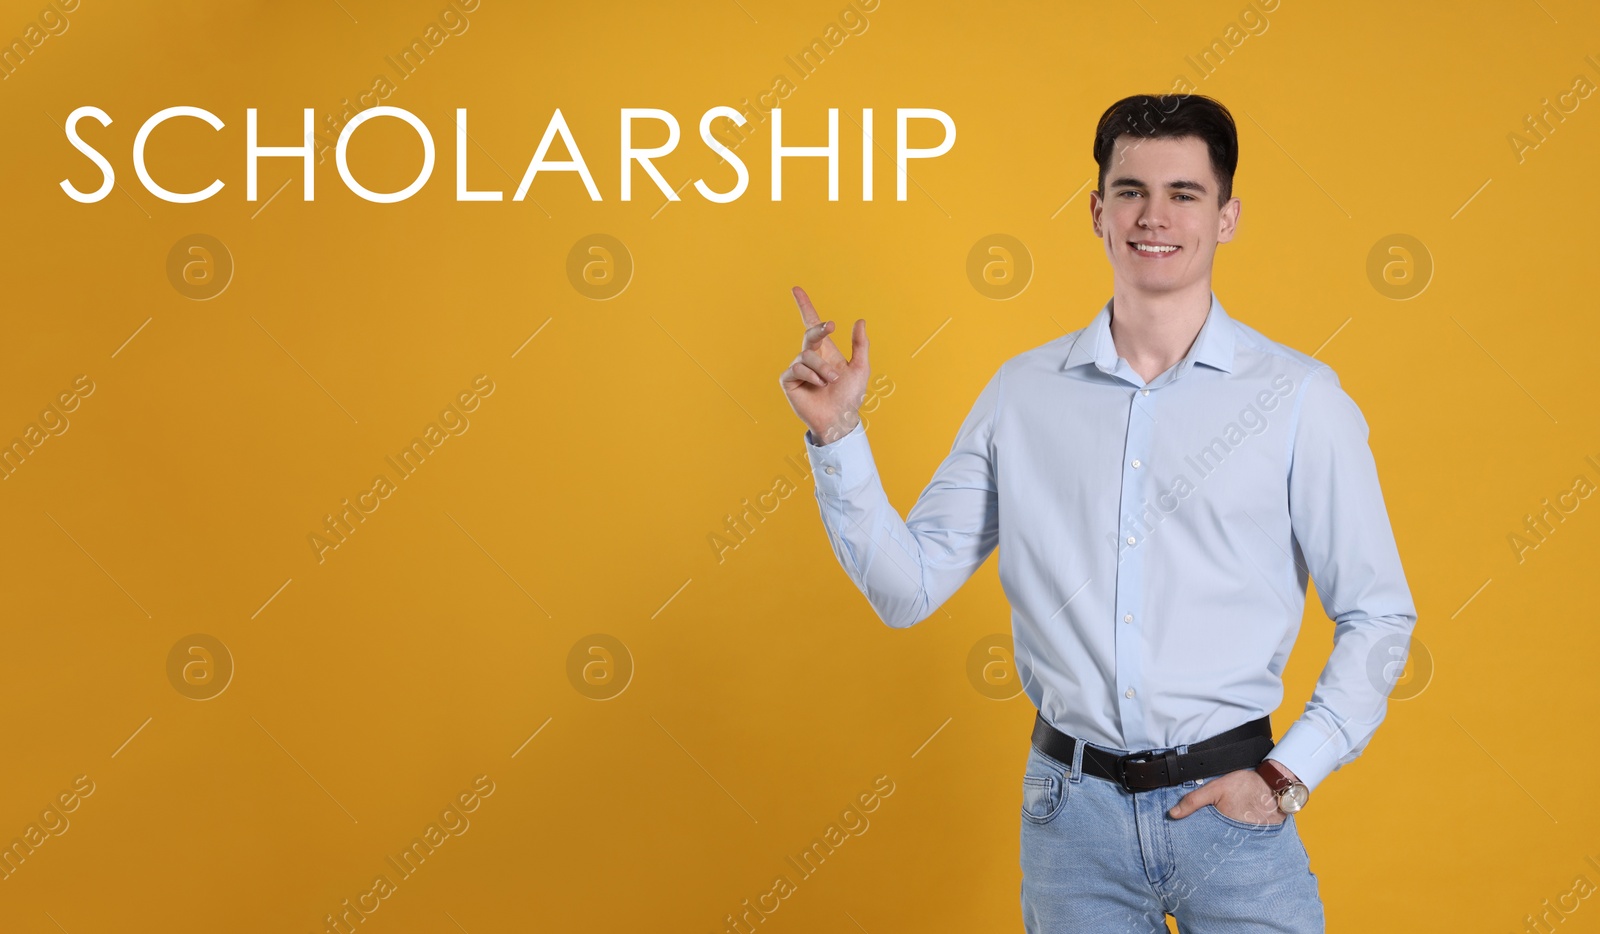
{"points": [[1293, 798]]}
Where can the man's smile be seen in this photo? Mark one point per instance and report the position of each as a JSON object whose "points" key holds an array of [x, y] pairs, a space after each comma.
{"points": [[1152, 249]]}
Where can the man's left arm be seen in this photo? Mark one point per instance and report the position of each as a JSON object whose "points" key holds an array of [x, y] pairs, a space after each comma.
{"points": [[1342, 531]]}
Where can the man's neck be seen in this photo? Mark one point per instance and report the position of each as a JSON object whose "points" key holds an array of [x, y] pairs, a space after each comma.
{"points": [[1153, 332]]}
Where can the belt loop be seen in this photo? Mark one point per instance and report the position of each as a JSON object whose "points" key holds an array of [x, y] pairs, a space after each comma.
{"points": [[1077, 761]]}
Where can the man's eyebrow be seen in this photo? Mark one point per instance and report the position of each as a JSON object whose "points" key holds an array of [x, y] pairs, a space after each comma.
{"points": [[1130, 182]]}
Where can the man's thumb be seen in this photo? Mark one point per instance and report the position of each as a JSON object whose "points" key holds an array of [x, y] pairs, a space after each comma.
{"points": [[1189, 803], [858, 344]]}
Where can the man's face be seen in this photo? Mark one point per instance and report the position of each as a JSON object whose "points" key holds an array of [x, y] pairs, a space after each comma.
{"points": [[1161, 192]]}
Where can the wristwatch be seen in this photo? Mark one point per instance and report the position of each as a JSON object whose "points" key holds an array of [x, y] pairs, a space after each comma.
{"points": [[1291, 794]]}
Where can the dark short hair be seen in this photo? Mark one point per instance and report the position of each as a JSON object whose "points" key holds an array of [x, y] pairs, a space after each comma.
{"points": [[1157, 116]]}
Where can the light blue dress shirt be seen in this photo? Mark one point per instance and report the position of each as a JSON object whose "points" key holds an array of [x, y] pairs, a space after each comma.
{"points": [[1155, 539]]}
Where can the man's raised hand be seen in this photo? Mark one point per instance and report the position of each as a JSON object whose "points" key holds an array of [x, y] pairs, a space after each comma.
{"points": [[823, 388]]}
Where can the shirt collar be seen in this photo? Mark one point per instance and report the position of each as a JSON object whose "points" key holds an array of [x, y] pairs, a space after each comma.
{"points": [[1213, 346]]}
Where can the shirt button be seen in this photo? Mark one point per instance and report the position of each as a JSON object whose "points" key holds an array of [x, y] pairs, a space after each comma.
{"points": [[1130, 539], [1144, 392], [1136, 462], [1128, 618], [827, 470], [1128, 693]]}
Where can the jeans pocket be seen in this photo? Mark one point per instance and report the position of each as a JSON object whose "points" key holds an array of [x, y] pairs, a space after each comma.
{"points": [[1044, 788], [1246, 825]]}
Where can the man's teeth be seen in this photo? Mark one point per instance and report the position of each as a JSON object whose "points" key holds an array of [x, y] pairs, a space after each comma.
{"points": [[1153, 249]]}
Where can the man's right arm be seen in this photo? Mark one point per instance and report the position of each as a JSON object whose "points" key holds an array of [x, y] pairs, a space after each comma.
{"points": [[908, 568]]}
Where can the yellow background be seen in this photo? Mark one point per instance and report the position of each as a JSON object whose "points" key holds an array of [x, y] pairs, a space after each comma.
{"points": [[371, 689]]}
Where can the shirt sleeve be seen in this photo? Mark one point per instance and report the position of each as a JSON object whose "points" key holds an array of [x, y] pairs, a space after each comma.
{"points": [[1341, 529], [908, 568]]}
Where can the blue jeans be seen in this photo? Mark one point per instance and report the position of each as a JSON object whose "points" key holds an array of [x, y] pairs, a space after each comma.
{"points": [[1099, 859]]}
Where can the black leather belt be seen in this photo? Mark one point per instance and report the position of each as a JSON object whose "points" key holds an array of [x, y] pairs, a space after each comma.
{"points": [[1243, 747]]}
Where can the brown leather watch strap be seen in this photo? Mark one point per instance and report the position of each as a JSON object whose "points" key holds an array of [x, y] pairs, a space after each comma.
{"points": [[1276, 777]]}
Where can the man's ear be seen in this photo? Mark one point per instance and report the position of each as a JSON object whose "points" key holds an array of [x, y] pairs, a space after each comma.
{"points": [[1228, 221], [1094, 214]]}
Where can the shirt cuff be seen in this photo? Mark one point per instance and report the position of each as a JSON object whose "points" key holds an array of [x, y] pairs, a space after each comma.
{"points": [[1307, 753], [842, 464]]}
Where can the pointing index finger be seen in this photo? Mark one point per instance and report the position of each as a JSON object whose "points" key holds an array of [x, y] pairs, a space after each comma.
{"points": [[807, 313]]}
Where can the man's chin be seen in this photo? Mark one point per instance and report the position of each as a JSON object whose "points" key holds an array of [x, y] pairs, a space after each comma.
{"points": [[1142, 281]]}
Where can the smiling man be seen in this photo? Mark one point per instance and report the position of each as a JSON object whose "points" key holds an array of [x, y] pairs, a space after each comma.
{"points": [[1161, 484]]}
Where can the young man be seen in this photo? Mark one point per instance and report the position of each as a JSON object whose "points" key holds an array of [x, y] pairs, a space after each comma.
{"points": [[1161, 484]]}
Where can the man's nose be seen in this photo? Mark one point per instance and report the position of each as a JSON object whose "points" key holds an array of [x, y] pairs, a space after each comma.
{"points": [[1153, 216]]}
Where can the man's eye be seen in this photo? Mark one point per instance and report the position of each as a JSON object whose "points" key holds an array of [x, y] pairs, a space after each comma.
{"points": [[1187, 197], [1127, 191]]}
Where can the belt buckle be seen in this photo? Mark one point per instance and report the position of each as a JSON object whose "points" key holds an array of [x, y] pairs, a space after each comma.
{"points": [[1169, 759], [1122, 768]]}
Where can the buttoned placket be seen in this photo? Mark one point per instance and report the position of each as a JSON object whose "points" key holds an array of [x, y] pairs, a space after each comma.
{"points": [[1129, 619]]}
